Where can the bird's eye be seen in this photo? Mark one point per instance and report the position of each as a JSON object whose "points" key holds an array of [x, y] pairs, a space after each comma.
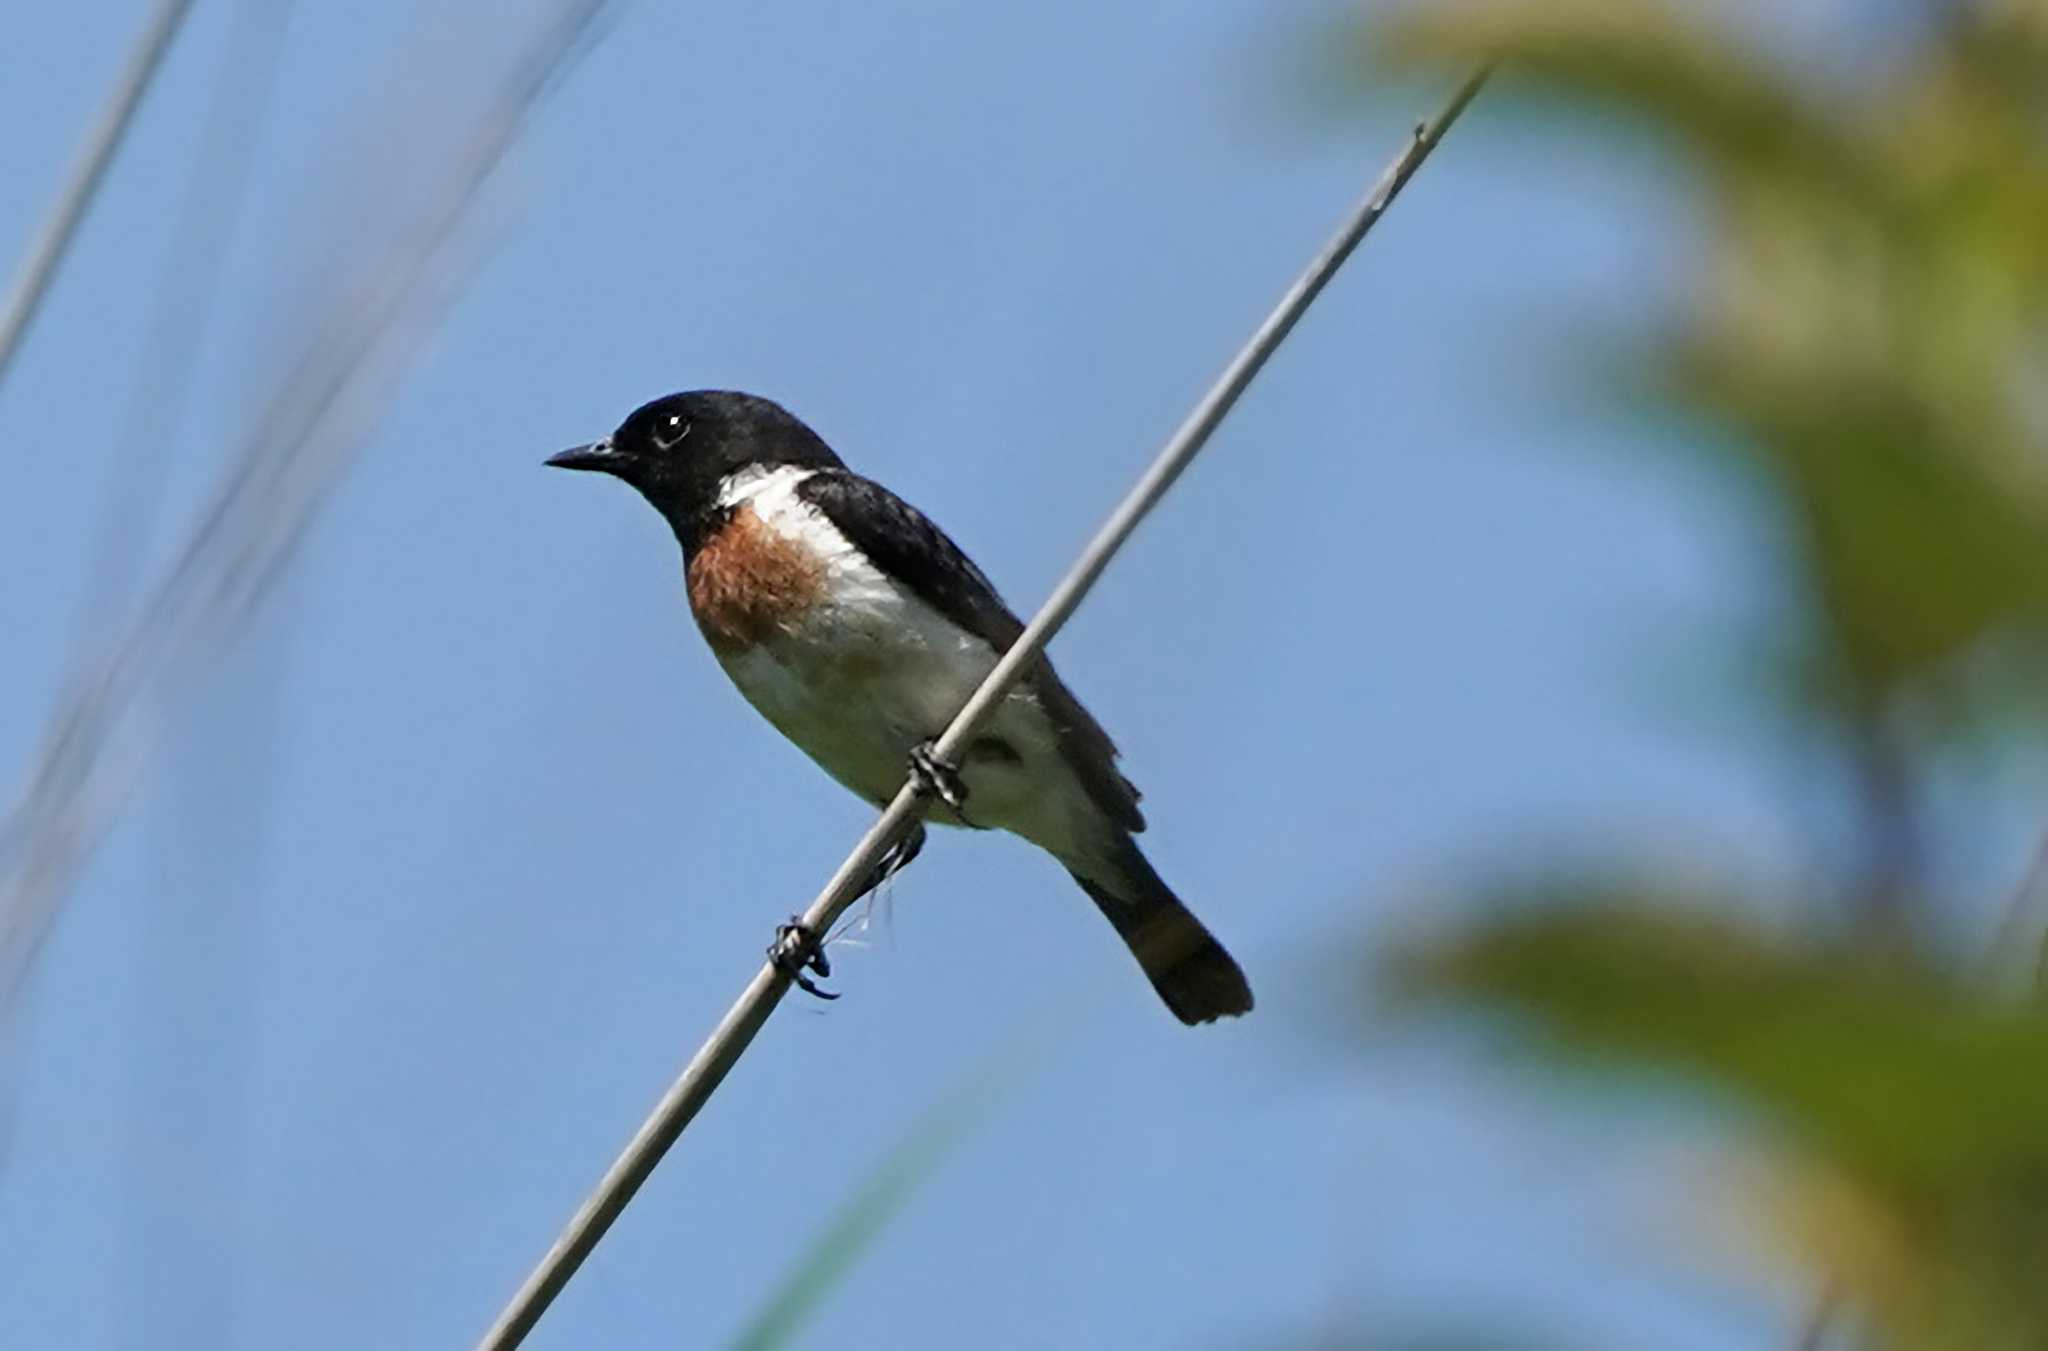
{"points": [[669, 430]]}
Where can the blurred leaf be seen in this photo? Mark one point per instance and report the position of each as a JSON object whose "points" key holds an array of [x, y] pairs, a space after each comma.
{"points": [[1921, 1096], [1914, 1080], [1663, 65]]}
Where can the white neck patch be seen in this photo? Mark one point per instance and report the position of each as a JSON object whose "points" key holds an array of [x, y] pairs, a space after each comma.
{"points": [[755, 481]]}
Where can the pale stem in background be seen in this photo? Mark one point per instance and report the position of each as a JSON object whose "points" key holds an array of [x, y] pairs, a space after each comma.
{"points": [[91, 167], [301, 442]]}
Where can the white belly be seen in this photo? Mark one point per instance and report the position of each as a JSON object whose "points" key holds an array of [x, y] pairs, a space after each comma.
{"points": [[874, 671]]}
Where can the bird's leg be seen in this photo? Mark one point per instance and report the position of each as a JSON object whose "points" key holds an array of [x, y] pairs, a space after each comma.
{"points": [[796, 949], [938, 778]]}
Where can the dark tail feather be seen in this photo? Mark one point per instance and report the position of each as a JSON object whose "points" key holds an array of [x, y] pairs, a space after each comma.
{"points": [[1194, 975]]}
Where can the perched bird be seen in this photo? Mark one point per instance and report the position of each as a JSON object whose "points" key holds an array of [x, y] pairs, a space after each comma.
{"points": [[856, 627]]}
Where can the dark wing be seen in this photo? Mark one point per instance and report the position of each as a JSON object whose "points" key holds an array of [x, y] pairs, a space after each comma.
{"points": [[902, 541]]}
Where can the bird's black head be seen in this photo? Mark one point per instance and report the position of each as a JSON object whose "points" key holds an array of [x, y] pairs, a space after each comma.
{"points": [[678, 450]]}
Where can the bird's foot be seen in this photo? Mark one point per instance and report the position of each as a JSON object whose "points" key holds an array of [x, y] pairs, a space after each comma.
{"points": [[938, 778], [896, 859], [795, 951]]}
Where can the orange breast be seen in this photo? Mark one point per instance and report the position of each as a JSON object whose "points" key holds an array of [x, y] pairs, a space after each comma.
{"points": [[748, 582]]}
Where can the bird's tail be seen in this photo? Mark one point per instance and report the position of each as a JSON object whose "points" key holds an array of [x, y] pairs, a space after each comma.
{"points": [[1198, 980]]}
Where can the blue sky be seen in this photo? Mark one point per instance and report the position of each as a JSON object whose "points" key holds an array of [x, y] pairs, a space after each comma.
{"points": [[448, 864]]}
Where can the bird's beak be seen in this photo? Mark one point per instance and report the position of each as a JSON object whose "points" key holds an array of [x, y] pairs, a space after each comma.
{"points": [[598, 455]]}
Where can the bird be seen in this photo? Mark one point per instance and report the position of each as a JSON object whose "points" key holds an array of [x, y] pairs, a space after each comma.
{"points": [[858, 629]]}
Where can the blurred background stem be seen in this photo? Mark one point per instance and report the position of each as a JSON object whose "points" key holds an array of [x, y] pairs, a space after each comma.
{"points": [[53, 238]]}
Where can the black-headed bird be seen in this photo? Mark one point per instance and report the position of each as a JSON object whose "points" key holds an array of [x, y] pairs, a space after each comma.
{"points": [[856, 627]]}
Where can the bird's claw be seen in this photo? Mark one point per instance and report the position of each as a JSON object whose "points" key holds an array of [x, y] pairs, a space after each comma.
{"points": [[938, 778], [796, 950]]}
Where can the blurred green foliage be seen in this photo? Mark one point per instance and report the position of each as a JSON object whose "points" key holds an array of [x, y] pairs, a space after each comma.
{"points": [[1871, 317], [1847, 1051], [1869, 338], [1922, 1098]]}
